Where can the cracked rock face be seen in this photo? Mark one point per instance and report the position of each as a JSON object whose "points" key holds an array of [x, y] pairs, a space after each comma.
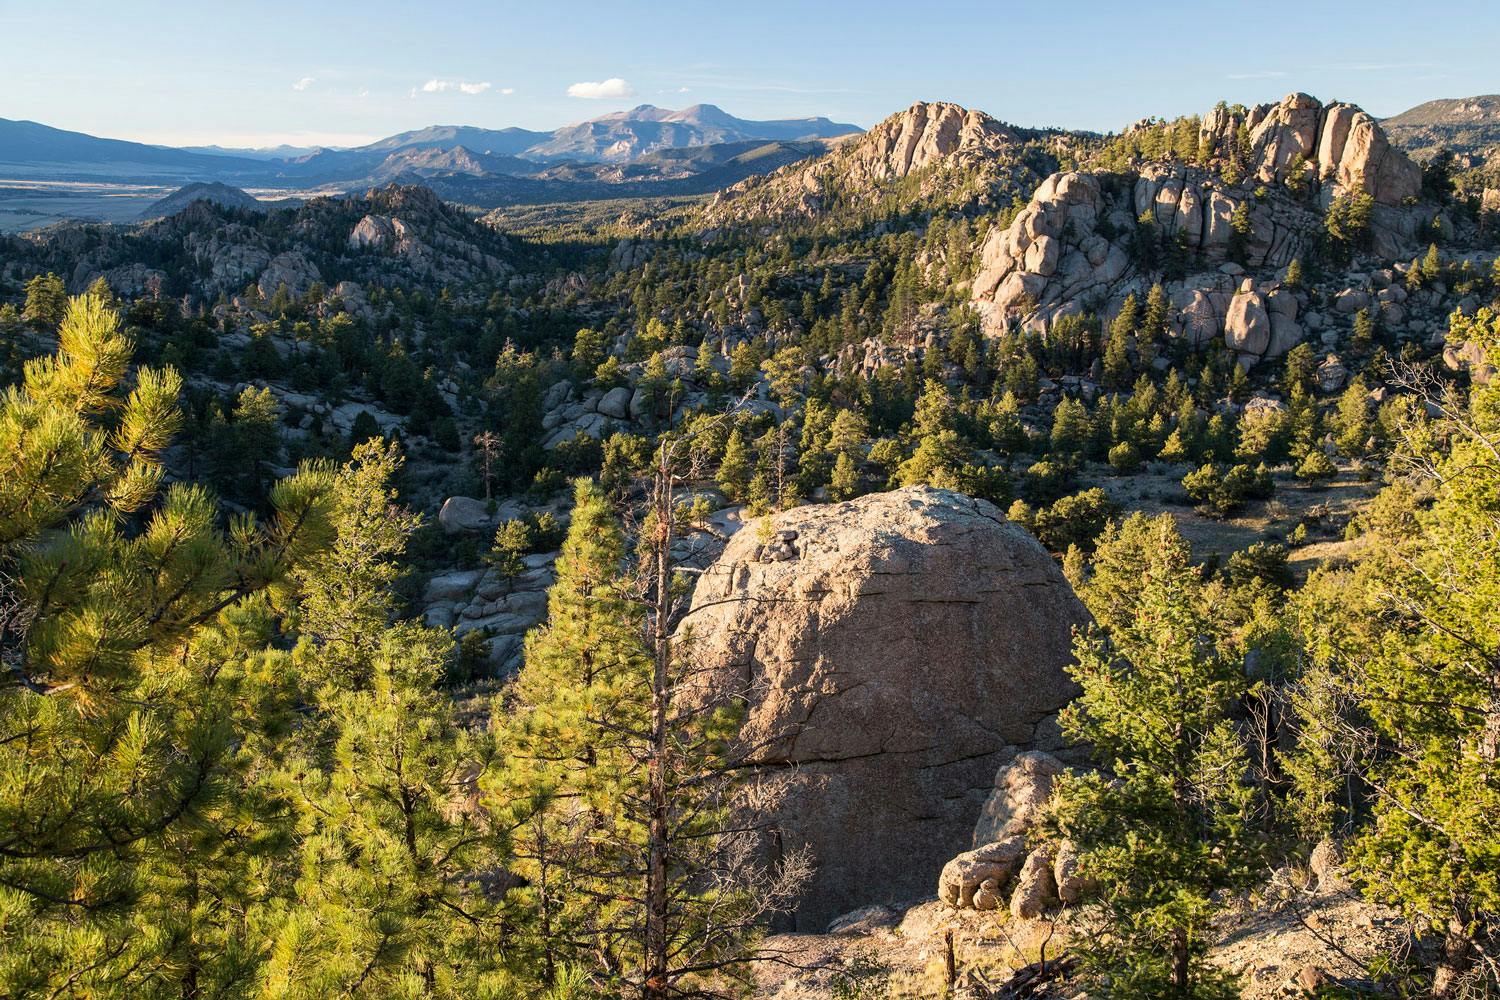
{"points": [[893, 646]]}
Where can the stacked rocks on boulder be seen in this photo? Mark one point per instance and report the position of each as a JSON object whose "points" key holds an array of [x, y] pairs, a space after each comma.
{"points": [[1022, 788]]}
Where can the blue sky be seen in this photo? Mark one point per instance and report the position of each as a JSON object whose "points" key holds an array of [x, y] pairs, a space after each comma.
{"points": [[342, 73]]}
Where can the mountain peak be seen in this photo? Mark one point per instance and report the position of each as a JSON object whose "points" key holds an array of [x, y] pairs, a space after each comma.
{"points": [[624, 135]]}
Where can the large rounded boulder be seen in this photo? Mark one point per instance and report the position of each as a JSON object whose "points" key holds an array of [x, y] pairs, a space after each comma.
{"points": [[893, 650]]}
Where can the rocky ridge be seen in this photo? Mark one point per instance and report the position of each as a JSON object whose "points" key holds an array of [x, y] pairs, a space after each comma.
{"points": [[1464, 125]]}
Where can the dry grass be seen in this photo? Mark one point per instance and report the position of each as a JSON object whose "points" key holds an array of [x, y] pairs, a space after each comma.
{"points": [[1270, 520]]}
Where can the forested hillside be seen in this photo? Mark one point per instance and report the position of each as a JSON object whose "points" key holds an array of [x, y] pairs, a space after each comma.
{"points": [[376, 578]]}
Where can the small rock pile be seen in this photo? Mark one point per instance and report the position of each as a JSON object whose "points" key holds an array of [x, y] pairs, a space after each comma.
{"points": [[1009, 866]]}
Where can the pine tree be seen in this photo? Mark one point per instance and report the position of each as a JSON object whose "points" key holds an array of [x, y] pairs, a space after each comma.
{"points": [[1122, 331], [564, 760], [735, 467], [1432, 264], [1315, 465], [508, 553], [1352, 424], [99, 288], [849, 434], [255, 441], [47, 301], [1173, 829], [844, 483], [1153, 322], [1428, 681], [1177, 448], [387, 900], [705, 894], [936, 461], [1293, 279], [125, 719], [1364, 328], [615, 783], [1298, 369], [1070, 428], [939, 451], [589, 350], [1239, 233]]}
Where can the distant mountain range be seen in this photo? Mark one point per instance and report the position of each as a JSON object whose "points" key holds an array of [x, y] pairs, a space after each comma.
{"points": [[600, 146], [30, 149]]}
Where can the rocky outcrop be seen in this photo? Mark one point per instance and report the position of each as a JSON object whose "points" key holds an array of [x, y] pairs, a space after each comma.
{"points": [[1086, 241], [410, 223], [380, 232], [1045, 874], [920, 137], [892, 650], [1339, 146], [925, 137], [290, 270], [1022, 788], [979, 877], [502, 610], [1071, 246]]}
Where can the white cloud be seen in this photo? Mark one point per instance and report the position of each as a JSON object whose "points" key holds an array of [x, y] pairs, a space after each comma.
{"points": [[603, 90], [304, 83], [462, 86], [507, 91], [363, 92]]}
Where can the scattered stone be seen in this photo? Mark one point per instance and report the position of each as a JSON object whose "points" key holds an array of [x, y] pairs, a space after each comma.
{"points": [[452, 586], [1332, 375], [616, 403], [1311, 979], [463, 514], [1071, 886], [1327, 862]]}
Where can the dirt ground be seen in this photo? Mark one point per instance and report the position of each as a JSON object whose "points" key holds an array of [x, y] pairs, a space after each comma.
{"points": [[1275, 939]]}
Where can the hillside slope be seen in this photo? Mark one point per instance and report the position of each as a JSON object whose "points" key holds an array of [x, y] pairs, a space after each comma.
{"points": [[1461, 125]]}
